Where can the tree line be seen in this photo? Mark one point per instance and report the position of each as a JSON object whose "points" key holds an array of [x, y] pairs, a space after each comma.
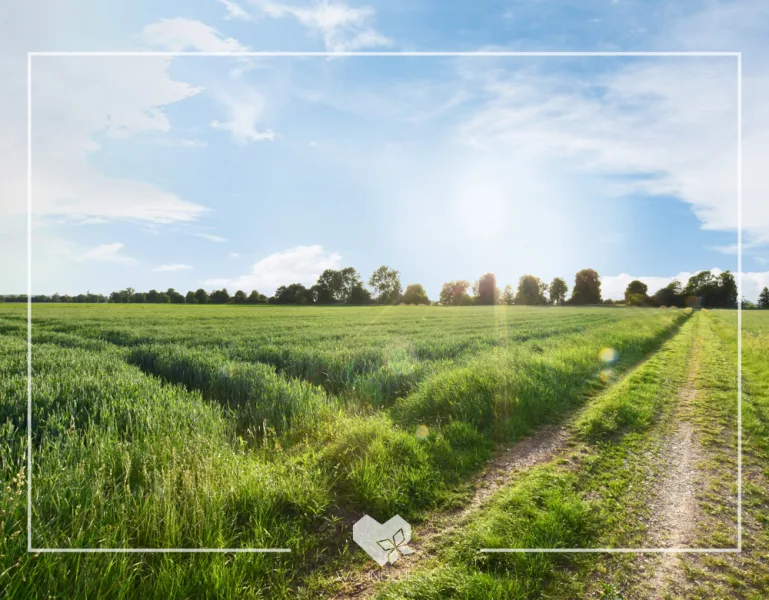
{"points": [[345, 287], [702, 290]]}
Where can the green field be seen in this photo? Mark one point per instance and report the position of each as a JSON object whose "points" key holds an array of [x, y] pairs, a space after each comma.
{"points": [[276, 427]]}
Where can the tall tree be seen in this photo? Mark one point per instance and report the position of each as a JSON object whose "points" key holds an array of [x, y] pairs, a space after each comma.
{"points": [[176, 297], [359, 295], [763, 298], [486, 290], [587, 288], [707, 290], [453, 293], [239, 297], [350, 281], [558, 290], [191, 298], [386, 284], [635, 293], [295, 293], [700, 287], [531, 291], [202, 296], [636, 287], [415, 294], [256, 298], [323, 290], [727, 290], [219, 296], [671, 295], [508, 296], [336, 286]]}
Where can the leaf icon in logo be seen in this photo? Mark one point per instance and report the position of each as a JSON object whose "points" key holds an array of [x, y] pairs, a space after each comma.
{"points": [[385, 543]]}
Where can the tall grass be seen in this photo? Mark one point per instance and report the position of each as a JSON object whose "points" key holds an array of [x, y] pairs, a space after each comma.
{"points": [[123, 460], [259, 399], [507, 392], [143, 418]]}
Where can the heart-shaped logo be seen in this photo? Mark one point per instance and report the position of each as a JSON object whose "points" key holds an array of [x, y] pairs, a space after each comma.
{"points": [[384, 542]]}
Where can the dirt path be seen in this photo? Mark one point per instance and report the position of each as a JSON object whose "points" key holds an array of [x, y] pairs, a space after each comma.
{"points": [[674, 510], [539, 448]]}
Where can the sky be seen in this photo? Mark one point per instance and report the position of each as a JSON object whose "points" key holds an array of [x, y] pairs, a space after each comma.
{"points": [[255, 172]]}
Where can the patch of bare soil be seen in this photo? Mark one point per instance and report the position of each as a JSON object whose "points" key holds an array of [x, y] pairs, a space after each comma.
{"points": [[674, 509], [541, 447]]}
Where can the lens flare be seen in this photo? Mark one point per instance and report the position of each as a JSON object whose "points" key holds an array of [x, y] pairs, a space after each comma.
{"points": [[422, 432], [608, 355], [606, 375]]}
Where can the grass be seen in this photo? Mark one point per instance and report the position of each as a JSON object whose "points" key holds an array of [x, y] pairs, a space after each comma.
{"points": [[260, 400], [594, 498], [272, 427], [746, 575]]}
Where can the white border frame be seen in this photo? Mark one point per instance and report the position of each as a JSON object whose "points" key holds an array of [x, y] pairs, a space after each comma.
{"points": [[737, 55]]}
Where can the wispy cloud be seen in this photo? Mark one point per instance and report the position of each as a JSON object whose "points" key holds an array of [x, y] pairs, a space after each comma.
{"points": [[342, 27], [181, 34], [211, 237], [168, 268], [92, 221], [235, 10], [233, 255], [647, 121], [302, 264], [244, 109], [106, 253]]}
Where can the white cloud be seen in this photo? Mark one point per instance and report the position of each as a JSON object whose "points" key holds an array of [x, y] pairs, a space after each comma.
{"points": [[613, 286], [235, 10], [210, 237], [729, 26], [76, 98], [302, 264], [106, 253], [343, 28], [244, 110], [167, 268], [179, 34], [92, 221], [753, 283], [233, 255], [667, 126]]}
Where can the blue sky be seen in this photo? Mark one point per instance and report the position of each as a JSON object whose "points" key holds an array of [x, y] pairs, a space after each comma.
{"points": [[187, 172]]}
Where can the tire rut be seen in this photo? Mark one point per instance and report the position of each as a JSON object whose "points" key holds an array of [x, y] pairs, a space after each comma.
{"points": [[539, 448], [674, 510], [543, 446]]}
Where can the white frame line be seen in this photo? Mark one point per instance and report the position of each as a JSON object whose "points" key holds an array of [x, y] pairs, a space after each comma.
{"points": [[267, 54], [739, 301], [613, 550], [161, 550]]}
